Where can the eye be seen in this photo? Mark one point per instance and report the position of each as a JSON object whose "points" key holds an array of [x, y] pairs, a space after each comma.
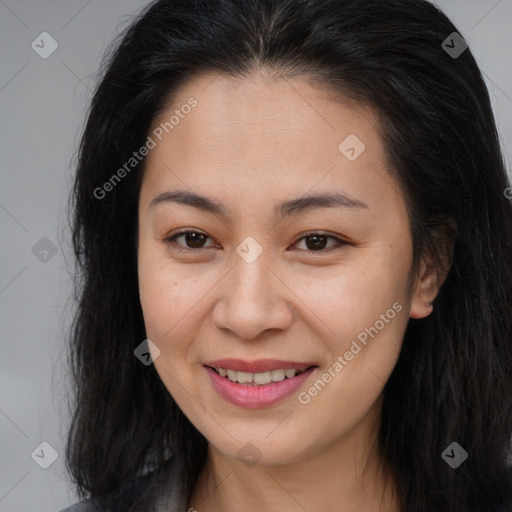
{"points": [[194, 240], [316, 241]]}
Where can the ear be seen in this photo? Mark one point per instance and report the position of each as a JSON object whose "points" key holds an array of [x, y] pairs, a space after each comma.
{"points": [[434, 268]]}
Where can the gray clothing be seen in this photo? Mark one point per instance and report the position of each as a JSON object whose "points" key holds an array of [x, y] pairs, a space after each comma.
{"points": [[174, 500]]}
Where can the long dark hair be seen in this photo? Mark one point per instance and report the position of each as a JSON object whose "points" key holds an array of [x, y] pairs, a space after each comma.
{"points": [[452, 382]]}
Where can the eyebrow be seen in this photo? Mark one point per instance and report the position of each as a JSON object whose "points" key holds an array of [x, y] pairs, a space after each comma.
{"points": [[290, 207]]}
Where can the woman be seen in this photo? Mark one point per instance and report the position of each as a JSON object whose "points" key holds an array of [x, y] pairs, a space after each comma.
{"points": [[296, 254]]}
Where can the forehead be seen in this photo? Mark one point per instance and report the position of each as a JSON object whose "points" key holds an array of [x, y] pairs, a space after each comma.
{"points": [[276, 109], [268, 133]]}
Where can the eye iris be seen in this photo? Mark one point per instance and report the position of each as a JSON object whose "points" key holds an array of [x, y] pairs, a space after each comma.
{"points": [[317, 240], [194, 238]]}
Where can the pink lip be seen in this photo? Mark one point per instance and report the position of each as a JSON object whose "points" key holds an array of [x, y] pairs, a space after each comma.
{"points": [[259, 366], [255, 397]]}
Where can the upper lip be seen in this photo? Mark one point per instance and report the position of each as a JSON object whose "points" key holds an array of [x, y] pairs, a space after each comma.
{"points": [[258, 366]]}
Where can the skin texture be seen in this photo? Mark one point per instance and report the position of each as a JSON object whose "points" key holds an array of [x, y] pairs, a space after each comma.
{"points": [[249, 144]]}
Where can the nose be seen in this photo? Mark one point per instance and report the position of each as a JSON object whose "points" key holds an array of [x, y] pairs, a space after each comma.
{"points": [[253, 299]]}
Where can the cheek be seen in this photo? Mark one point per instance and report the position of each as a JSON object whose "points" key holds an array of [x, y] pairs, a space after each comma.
{"points": [[361, 317], [350, 297], [168, 298]]}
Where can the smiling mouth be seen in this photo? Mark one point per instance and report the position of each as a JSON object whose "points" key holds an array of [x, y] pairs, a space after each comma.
{"points": [[260, 378]]}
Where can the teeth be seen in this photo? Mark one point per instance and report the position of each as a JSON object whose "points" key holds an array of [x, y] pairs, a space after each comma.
{"points": [[244, 377], [278, 375], [258, 379], [262, 378]]}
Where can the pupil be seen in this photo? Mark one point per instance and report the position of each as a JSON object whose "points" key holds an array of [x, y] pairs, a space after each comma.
{"points": [[317, 239], [194, 238]]}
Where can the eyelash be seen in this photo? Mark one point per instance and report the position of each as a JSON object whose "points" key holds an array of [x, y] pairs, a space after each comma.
{"points": [[171, 241]]}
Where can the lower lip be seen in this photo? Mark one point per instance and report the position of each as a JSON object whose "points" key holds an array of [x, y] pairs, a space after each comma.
{"points": [[256, 397]]}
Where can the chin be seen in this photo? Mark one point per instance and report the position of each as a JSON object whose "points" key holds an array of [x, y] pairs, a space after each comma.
{"points": [[253, 446]]}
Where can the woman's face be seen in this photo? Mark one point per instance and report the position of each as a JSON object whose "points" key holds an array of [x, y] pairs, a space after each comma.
{"points": [[252, 290]]}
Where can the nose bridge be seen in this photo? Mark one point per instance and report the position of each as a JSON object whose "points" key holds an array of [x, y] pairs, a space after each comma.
{"points": [[251, 299], [251, 261], [251, 280]]}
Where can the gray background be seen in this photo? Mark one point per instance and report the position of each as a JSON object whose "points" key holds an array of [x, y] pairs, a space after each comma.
{"points": [[42, 104]]}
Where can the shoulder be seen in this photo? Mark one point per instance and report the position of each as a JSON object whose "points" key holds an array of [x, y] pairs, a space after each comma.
{"points": [[132, 490], [90, 505]]}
